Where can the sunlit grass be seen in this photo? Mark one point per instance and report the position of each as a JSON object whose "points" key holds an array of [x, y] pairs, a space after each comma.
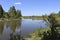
{"points": [[37, 34]]}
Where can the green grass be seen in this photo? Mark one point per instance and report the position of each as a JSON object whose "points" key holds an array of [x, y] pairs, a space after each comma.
{"points": [[37, 34], [58, 19]]}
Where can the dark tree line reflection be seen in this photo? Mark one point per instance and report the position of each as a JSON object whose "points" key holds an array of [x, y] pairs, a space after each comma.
{"points": [[12, 25], [1, 27]]}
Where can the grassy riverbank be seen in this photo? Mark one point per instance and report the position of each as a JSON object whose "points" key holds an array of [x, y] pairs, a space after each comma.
{"points": [[34, 17], [37, 34], [10, 19]]}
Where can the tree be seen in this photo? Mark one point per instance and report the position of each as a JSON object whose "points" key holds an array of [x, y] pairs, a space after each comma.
{"points": [[53, 34], [1, 11], [6, 15], [18, 13], [12, 12]]}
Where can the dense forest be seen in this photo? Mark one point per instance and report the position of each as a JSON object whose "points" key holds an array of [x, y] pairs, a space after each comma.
{"points": [[12, 13]]}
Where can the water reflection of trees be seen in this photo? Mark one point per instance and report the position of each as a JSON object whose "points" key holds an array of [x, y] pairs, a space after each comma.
{"points": [[13, 35], [13, 24], [1, 27], [16, 37]]}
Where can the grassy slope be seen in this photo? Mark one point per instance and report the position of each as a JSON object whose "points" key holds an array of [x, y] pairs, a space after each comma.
{"points": [[37, 34]]}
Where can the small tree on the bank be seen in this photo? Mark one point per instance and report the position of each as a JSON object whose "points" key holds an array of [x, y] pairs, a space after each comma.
{"points": [[12, 12]]}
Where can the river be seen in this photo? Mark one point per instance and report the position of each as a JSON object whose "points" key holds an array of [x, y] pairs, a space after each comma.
{"points": [[22, 26]]}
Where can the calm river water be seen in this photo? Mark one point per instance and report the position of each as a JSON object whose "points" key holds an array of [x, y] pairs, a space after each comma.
{"points": [[23, 26]]}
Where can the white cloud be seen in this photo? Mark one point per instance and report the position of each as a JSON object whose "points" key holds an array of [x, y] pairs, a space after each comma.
{"points": [[18, 3]]}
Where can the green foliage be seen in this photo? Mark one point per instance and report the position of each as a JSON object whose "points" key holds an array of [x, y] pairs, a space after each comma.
{"points": [[53, 34], [38, 34], [18, 13], [59, 13], [12, 12], [6, 15], [1, 11]]}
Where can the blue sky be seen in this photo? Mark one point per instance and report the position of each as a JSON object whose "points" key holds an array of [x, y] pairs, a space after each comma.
{"points": [[32, 7]]}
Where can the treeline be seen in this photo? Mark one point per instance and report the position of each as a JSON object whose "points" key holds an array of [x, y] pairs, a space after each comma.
{"points": [[53, 13], [12, 13]]}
